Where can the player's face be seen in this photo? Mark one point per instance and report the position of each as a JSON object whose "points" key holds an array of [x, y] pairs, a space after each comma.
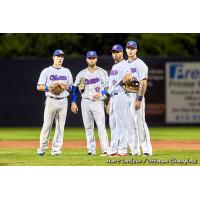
{"points": [[117, 55], [58, 60], [131, 52], [91, 61]]}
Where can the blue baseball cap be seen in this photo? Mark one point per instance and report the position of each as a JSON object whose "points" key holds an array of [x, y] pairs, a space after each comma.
{"points": [[117, 47], [58, 52], [91, 54], [132, 44]]}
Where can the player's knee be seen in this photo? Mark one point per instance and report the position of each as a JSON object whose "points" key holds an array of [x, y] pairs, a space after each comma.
{"points": [[46, 126], [89, 126]]}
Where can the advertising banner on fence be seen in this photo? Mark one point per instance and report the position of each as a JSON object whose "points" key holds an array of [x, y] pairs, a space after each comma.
{"points": [[183, 92]]}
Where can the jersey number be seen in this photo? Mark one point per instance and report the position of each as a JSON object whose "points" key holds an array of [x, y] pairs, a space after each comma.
{"points": [[97, 89]]}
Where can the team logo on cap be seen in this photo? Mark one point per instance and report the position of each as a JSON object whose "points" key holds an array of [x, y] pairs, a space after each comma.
{"points": [[115, 47], [131, 42], [59, 51], [91, 53]]}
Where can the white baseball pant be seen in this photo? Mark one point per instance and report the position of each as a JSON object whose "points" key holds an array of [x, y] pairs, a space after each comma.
{"points": [[119, 123], [54, 109], [94, 110], [144, 135], [133, 137]]}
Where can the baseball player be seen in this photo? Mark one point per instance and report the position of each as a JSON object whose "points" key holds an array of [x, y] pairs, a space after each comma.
{"points": [[51, 79], [140, 71], [92, 107], [119, 108]]}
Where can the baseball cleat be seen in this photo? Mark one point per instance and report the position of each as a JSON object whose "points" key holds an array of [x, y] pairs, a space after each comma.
{"points": [[91, 154], [118, 154], [113, 154], [147, 154], [122, 154], [55, 154], [41, 154], [104, 154], [134, 154]]}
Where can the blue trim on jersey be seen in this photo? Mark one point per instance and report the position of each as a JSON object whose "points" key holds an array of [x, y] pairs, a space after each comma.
{"points": [[119, 61], [132, 60], [56, 67], [74, 94], [46, 88], [104, 92]]}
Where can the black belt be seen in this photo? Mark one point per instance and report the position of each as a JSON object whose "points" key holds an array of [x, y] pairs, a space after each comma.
{"points": [[57, 98], [114, 94]]}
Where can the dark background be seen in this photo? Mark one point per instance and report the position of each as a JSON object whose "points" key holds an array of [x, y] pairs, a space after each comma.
{"points": [[24, 56]]}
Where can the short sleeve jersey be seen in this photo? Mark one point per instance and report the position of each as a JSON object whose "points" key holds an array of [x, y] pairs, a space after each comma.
{"points": [[139, 69], [116, 75], [51, 75], [95, 82]]}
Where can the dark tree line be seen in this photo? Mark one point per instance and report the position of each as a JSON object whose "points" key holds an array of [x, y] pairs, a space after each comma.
{"points": [[76, 44]]}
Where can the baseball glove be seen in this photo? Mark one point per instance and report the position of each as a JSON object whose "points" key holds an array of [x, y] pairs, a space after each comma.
{"points": [[63, 87], [81, 86], [131, 86], [56, 88]]}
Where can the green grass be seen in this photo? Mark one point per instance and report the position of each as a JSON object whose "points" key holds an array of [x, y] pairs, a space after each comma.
{"points": [[74, 157], [33, 133], [78, 157], [166, 133], [175, 133]]}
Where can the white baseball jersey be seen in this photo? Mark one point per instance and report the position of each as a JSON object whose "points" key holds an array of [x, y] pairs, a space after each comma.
{"points": [[95, 82], [117, 73], [55, 109], [119, 110], [93, 110], [139, 69], [56, 75]]}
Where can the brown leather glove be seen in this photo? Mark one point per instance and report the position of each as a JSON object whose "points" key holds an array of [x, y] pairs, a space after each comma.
{"points": [[131, 86], [56, 88]]}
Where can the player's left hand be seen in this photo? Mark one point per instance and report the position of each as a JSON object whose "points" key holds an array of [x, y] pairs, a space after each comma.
{"points": [[55, 88], [97, 96], [108, 108], [137, 105], [63, 86], [74, 108]]}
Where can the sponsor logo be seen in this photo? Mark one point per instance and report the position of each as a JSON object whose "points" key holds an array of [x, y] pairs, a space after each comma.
{"points": [[155, 109], [177, 71]]}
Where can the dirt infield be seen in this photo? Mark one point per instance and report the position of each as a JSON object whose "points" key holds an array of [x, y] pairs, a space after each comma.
{"points": [[69, 144]]}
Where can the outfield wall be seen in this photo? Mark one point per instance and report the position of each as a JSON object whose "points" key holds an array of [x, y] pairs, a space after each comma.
{"points": [[22, 105]]}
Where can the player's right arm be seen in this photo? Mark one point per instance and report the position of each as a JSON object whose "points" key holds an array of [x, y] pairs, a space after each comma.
{"points": [[74, 107], [41, 85]]}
